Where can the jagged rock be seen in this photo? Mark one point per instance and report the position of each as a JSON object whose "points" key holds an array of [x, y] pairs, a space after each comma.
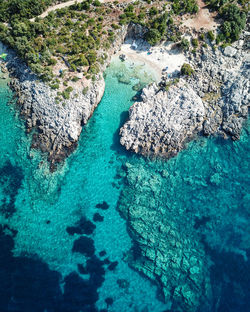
{"points": [[163, 121], [59, 126], [230, 51]]}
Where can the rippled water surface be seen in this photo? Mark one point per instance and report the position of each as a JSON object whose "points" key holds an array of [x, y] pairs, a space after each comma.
{"points": [[63, 243]]}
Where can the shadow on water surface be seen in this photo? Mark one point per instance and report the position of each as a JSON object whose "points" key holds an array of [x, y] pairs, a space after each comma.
{"points": [[27, 284], [116, 145], [230, 280], [11, 178]]}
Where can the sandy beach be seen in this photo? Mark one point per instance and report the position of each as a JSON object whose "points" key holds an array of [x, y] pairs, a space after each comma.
{"points": [[162, 57]]}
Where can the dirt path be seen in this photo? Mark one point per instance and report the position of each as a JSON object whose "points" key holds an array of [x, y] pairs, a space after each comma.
{"points": [[58, 6], [204, 19], [66, 4]]}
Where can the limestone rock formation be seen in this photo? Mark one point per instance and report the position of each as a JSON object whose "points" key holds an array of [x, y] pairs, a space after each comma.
{"points": [[58, 126], [213, 101], [163, 121]]}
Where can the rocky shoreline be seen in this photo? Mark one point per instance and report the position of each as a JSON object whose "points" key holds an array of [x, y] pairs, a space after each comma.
{"points": [[213, 101], [168, 240], [57, 127]]}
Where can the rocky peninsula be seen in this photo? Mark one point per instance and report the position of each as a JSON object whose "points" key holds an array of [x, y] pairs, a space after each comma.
{"points": [[57, 127], [214, 100]]}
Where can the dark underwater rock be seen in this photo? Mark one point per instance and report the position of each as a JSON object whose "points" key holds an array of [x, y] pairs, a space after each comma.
{"points": [[112, 266], [79, 293], [84, 245], [96, 271], [109, 301], [82, 269], [102, 253], [28, 285], [123, 283], [103, 206], [97, 217], [83, 226], [11, 178], [106, 261]]}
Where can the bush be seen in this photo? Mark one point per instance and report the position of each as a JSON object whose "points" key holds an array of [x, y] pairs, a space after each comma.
{"points": [[153, 11], [65, 95], [211, 35], [85, 90], [75, 79], [186, 69], [202, 36], [91, 57], [234, 22], [194, 42], [184, 44], [153, 36], [69, 90], [54, 86]]}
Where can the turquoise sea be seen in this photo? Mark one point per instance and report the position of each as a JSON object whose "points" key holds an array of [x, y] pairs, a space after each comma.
{"points": [[63, 243]]}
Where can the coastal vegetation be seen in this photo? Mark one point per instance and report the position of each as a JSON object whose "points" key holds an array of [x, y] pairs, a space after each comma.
{"points": [[76, 39], [80, 35], [11, 10], [234, 17], [186, 69]]}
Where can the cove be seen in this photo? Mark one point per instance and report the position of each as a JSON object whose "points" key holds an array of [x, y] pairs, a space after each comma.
{"points": [[47, 219], [62, 231]]}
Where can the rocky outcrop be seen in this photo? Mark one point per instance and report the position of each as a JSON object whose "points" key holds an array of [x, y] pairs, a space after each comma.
{"points": [[222, 80], [57, 126], [163, 121], [214, 101], [168, 232]]}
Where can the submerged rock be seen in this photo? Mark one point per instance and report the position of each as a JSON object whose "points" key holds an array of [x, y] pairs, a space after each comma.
{"points": [[85, 246], [166, 246], [103, 206], [97, 217], [83, 226]]}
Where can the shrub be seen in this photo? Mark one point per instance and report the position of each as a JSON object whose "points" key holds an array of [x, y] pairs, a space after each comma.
{"points": [[186, 69], [184, 44], [75, 79], [211, 35], [153, 36], [65, 95], [54, 86], [153, 11], [194, 42], [202, 37], [69, 90], [85, 90]]}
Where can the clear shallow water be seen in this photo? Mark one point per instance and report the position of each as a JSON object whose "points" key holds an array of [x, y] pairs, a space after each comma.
{"points": [[40, 206], [43, 205]]}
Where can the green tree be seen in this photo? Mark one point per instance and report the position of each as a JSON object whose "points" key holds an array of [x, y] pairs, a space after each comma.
{"points": [[186, 69]]}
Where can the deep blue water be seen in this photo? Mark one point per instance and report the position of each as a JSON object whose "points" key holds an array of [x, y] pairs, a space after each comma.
{"points": [[63, 244]]}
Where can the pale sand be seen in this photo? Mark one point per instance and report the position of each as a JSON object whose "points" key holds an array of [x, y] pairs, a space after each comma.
{"points": [[161, 57], [203, 19]]}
